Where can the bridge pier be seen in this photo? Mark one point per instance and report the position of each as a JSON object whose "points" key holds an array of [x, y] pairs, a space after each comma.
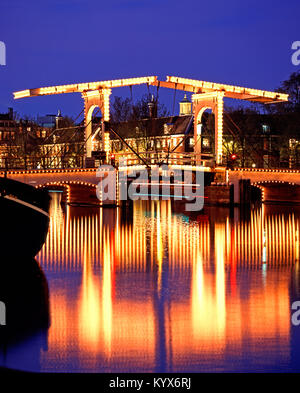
{"points": [[241, 192]]}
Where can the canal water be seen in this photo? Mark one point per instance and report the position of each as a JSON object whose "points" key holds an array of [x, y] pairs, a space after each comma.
{"points": [[157, 290]]}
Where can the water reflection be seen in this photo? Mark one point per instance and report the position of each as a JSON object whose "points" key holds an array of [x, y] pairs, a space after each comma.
{"points": [[161, 291], [24, 291]]}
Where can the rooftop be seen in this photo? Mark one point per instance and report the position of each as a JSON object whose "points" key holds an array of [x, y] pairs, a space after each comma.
{"points": [[153, 126]]}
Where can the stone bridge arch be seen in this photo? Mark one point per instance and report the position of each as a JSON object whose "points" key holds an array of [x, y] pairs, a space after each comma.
{"points": [[286, 180], [38, 177], [74, 192], [278, 191]]}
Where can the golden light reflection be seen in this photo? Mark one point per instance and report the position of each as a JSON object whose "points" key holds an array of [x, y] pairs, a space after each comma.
{"points": [[89, 321], [159, 246], [220, 315], [107, 293], [218, 283]]}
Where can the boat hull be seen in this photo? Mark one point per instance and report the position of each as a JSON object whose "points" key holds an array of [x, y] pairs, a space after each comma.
{"points": [[23, 228]]}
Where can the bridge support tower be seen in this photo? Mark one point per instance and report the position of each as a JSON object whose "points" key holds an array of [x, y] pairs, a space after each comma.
{"points": [[94, 99], [202, 102]]}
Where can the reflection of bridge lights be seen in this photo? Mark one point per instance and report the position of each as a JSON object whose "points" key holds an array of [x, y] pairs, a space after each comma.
{"points": [[89, 317], [248, 244], [101, 324], [264, 254], [107, 311], [220, 246]]}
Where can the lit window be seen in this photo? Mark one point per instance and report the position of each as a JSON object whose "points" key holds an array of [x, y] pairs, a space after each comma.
{"points": [[199, 129], [205, 142], [265, 128]]}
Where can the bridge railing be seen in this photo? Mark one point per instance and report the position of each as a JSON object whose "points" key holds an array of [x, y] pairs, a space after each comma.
{"points": [[151, 157], [154, 157], [41, 162]]}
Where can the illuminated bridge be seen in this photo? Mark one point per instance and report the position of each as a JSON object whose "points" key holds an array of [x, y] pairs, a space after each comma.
{"points": [[276, 185], [80, 184], [205, 95]]}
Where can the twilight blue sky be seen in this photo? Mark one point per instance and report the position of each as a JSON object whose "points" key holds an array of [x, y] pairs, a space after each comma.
{"points": [[247, 43]]}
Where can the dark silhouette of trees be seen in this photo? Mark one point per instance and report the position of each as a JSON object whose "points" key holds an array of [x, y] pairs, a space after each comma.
{"points": [[123, 109], [290, 86]]}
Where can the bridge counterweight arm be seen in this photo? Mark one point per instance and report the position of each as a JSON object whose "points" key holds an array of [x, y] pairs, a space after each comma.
{"points": [[82, 87]]}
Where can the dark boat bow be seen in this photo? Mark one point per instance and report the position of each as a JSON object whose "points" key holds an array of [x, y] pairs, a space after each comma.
{"points": [[24, 218]]}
